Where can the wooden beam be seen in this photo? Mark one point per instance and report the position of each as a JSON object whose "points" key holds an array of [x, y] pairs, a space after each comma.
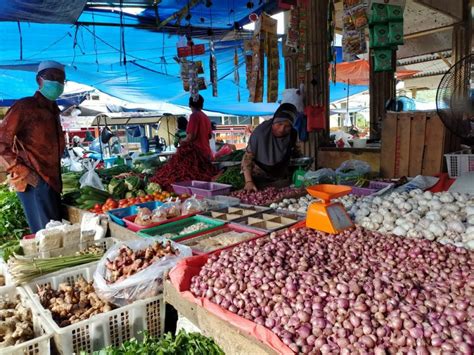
{"points": [[427, 44], [453, 8], [444, 59], [428, 32]]}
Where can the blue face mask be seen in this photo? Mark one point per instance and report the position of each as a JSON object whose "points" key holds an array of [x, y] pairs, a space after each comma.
{"points": [[51, 89]]}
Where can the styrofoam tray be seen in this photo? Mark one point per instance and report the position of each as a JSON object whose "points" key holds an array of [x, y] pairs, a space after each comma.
{"points": [[38, 345], [101, 330]]}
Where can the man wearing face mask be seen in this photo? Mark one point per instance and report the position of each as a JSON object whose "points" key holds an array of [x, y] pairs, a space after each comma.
{"points": [[31, 145]]}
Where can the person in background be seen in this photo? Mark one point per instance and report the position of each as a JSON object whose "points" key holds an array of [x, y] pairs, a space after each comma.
{"points": [[198, 131], [270, 148], [212, 140], [180, 134], [31, 145]]}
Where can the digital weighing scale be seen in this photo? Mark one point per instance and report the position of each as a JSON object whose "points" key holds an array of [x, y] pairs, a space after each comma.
{"points": [[327, 216]]}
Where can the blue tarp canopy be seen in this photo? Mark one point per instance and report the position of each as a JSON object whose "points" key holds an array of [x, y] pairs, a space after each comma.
{"points": [[132, 64]]}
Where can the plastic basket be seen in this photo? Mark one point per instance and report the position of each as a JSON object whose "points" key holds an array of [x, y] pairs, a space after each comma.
{"points": [[459, 163], [7, 277], [38, 345], [201, 188], [215, 233], [101, 330], [118, 214], [130, 222], [178, 226]]}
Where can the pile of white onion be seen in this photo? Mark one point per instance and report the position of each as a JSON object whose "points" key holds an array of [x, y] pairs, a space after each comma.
{"points": [[355, 292], [295, 205], [445, 217]]}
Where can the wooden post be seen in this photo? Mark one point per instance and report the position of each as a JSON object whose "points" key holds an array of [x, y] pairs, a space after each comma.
{"points": [[462, 33], [382, 89]]}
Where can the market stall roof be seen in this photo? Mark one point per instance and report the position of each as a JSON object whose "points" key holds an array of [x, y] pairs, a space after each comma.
{"points": [[140, 69], [358, 72]]}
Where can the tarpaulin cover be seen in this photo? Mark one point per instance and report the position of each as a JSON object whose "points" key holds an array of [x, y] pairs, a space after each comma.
{"points": [[181, 275], [94, 55], [45, 11], [358, 72]]}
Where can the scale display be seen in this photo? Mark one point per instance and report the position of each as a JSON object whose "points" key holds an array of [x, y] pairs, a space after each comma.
{"points": [[338, 217]]}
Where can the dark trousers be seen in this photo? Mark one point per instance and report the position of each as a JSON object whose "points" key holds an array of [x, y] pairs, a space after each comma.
{"points": [[41, 205]]}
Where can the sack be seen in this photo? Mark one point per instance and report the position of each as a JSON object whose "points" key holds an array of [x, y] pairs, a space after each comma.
{"points": [[145, 283], [91, 178]]}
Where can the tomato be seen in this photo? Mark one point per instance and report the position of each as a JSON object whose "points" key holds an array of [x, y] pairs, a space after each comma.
{"points": [[123, 201], [109, 200], [97, 206], [114, 204]]}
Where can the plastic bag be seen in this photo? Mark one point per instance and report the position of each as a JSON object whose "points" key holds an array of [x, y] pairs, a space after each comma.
{"points": [[145, 283], [91, 178], [191, 205], [351, 170], [172, 208], [144, 216], [321, 176]]}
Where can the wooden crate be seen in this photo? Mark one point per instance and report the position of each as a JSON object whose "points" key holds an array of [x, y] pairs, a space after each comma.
{"points": [[414, 143]]}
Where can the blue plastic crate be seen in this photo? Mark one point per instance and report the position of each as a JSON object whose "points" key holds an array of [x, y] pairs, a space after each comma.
{"points": [[116, 215]]}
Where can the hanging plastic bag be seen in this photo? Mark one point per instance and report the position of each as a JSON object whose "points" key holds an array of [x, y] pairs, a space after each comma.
{"points": [[146, 282], [190, 206], [91, 178]]}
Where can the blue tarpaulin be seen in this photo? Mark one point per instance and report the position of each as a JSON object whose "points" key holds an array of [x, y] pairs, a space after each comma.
{"points": [[138, 66]]}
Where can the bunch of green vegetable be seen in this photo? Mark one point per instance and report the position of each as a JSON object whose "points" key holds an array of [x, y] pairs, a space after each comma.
{"points": [[232, 176], [181, 344], [13, 222], [70, 182]]}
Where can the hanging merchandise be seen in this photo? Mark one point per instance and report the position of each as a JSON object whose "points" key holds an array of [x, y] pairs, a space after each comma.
{"points": [[273, 63], [236, 73], [255, 83], [386, 33], [213, 68], [354, 19], [301, 60], [331, 39], [316, 117]]}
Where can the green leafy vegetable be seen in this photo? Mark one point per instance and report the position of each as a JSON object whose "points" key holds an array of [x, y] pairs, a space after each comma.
{"points": [[181, 344], [13, 224]]}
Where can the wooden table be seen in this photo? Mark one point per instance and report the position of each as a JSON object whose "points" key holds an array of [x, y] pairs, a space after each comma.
{"points": [[231, 339]]}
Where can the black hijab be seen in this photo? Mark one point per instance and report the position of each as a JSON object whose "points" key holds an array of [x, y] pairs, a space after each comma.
{"points": [[268, 149]]}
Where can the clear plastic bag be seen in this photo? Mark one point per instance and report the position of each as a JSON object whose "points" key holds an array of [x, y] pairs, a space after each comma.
{"points": [[320, 176], [145, 283], [351, 170], [191, 205], [172, 208], [144, 216], [91, 178]]}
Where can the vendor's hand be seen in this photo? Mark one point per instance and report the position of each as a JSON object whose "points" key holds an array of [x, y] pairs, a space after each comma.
{"points": [[250, 186]]}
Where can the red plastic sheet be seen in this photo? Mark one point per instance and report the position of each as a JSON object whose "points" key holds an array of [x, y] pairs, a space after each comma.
{"points": [[181, 276]]}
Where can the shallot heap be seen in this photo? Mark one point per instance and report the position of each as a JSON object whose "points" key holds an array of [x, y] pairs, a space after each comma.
{"points": [[355, 292]]}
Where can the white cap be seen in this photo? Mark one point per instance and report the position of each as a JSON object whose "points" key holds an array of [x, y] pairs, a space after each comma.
{"points": [[50, 64]]}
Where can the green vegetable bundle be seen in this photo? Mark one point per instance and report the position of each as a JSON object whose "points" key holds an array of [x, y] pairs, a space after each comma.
{"points": [[236, 155], [13, 222], [181, 344], [232, 176]]}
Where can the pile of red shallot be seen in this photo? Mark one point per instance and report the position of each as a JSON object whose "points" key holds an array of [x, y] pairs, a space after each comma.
{"points": [[355, 292], [266, 196]]}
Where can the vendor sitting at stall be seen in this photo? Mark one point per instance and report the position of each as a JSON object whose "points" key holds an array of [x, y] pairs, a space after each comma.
{"points": [[199, 130], [180, 134], [271, 146]]}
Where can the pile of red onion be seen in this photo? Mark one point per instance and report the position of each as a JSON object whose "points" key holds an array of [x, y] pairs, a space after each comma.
{"points": [[266, 196], [355, 291]]}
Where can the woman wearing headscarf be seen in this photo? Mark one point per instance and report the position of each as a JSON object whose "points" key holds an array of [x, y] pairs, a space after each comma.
{"points": [[180, 134], [270, 148]]}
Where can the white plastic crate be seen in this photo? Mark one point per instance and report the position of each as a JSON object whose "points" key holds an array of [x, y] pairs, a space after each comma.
{"points": [[41, 343], [459, 162], [8, 278], [101, 330]]}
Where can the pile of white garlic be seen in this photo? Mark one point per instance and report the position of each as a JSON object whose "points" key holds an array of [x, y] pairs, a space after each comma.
{"points": [[445, 217], [295, 205]]}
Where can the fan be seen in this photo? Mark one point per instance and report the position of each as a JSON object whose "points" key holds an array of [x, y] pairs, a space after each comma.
{"points": [[455, 98]]}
